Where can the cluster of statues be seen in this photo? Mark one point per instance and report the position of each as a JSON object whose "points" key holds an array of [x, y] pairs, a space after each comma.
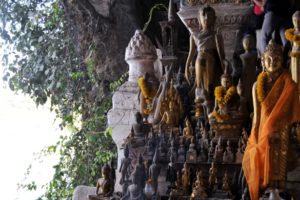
{"points": [[199, 120]]}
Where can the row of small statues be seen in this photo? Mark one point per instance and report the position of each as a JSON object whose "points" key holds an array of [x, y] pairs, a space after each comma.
{"points": [[200, 187]]}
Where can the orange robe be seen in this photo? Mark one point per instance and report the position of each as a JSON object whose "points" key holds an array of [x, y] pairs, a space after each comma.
{"points": [[279, 109]]}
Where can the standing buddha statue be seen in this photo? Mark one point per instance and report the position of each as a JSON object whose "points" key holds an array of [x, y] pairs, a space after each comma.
{"points": [[276, 108]]}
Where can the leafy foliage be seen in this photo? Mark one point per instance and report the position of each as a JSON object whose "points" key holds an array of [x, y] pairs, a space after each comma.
{"points": [[45, 57]]}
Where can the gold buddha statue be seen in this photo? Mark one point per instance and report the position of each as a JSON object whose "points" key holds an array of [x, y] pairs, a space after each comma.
{"points": [[209, 61], [276, 108], [199, 189], [188, 130], [170, 117]]}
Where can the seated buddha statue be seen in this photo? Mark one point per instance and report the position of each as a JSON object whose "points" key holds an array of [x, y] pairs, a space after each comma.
{"points": [[188, 130], [276, 108], [170, 116], [199, 189], [226, 120], [105, 186], [226, 99]]}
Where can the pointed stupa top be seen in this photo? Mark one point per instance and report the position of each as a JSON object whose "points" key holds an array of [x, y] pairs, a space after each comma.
{"points": [[171, 11], [140, 47]]}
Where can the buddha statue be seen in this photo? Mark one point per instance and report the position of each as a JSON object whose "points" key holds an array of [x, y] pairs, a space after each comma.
{"points": [[202, 157], [209, 61], [249, 63], [170, 116], [181, 153], [125, 167], [211, 152], [218, 156], [225, 184], [135, 191], [185, 177], [172, 151], [105, 186], [199, 189], [139, 128], [228, 156], [239, 155], [276, 108], [226, 99], [148, 88], [293, 35], [140, 171], [162, 152], [188, 130], [179, 189], [191, 155], [154, 171], [226, 120], [171, 172], [212, 179]]}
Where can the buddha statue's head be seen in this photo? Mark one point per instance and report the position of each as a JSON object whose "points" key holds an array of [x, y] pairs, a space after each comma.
{"points": [[226, 79], [296, 20], [248, 42], [106, 171], [207, 17], [272, 58]]}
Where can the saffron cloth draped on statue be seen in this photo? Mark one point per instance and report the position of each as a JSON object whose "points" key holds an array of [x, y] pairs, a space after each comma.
{"points": [[279, 109]]}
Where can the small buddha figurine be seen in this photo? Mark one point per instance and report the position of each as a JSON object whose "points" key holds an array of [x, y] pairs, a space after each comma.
{"points": [[239, 155], [185, 177], [139, 127], [149, 149], [202, 157], [172, 151], [141, 171], [170, 117], [178, 190], [212, 180], [125, 166], [181, 153], [135, 191], [228, 156], [199, 190], [191, 155], [218, 157], [249, 62], [205, 137], [226, 185], [154, 171], [162, 152], [188, 130], [171, 172], [104, 187], [226, 99], [211, 152]]}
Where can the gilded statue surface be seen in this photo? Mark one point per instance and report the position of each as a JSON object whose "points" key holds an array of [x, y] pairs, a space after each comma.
{"points": [[276, 107], [208, 64]]}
